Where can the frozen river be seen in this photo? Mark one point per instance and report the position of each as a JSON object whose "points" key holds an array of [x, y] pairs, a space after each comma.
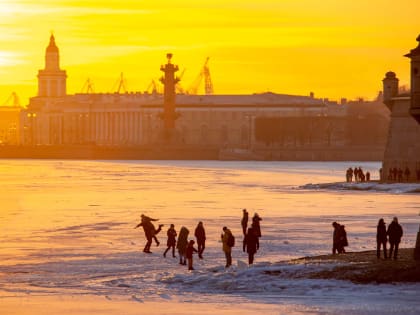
{"points": [[66, 230]]}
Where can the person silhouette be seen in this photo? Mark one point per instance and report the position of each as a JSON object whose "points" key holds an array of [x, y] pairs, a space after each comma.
{"points": [[149, 231], [200, 235], [171, 233]]}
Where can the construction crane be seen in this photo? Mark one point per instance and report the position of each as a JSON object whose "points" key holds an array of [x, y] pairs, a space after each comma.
{"points": [[153, 87], [88, 87], [12, 100], [178, 87], [122, 85], [208, 85]]}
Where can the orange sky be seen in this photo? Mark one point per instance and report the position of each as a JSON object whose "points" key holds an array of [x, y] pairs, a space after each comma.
{"points": [[333, 48]]}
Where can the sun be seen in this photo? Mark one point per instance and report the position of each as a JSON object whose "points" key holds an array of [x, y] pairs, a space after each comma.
{"points": [[7, 7]]}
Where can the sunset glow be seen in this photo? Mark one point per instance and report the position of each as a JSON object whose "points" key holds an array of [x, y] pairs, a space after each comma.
{"points": [[335, 49]]}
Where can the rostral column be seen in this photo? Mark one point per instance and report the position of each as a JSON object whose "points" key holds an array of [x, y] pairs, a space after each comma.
{"points": [[169, 81]]}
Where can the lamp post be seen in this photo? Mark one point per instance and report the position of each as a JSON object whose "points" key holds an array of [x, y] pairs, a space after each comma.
{"points": [[249, 117], [31, 117]]}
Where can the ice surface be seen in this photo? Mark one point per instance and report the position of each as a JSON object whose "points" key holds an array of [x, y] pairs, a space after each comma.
{"points": [[67, 228]]}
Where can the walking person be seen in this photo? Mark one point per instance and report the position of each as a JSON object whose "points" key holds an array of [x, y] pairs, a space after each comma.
{"points": [[189, 254], [228, 242], [200, 235], [171, 233], [149, 231], [244, 221], [395, 232], [381, 238], [251, 245], [182, 245], [336, 238]]}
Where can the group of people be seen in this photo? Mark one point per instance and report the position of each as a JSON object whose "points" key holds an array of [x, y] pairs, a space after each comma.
{"points": [[251, 238], [186, 247], [359, 175], [251, 243], [383, 235], [393, 234], [397, 174]]}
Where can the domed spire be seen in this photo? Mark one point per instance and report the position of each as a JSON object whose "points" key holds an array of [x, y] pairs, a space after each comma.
{"points": [[52, 47]]}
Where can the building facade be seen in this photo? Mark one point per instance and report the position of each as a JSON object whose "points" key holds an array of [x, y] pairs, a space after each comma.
{"points": [[225, 122], [402, 153]]}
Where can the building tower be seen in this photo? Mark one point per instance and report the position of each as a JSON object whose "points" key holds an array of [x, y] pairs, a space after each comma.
{"points": [[414, 55], [390, 88], [169, 81], [52, 80]]}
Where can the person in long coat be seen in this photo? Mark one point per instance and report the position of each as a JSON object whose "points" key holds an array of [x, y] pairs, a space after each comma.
{"points": [[336, 238], [381, 238], [251, 245], [200, 235], [256, 224], [182, 245], [171, 233], [226, 248], [244, 221], [395, 232]]}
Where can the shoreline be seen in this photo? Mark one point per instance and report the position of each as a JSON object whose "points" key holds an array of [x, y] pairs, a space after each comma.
{"points": [[364, 267]]}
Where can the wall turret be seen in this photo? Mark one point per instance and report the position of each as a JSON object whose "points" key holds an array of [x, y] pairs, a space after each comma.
{"points": [[414, 55], [390, 86]]}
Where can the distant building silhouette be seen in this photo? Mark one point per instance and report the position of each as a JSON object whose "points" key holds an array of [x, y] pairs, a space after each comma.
{"points": [[266, 125]]}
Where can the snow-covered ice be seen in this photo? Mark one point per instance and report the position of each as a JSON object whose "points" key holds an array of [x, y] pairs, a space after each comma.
{"points": [[67, 229]]}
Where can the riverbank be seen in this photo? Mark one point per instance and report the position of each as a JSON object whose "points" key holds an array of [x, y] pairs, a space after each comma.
{"points": [[162, 151], [364, 267]]}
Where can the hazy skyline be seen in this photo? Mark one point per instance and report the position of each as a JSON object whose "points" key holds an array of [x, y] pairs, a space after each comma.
{"points": [[335, 49]]}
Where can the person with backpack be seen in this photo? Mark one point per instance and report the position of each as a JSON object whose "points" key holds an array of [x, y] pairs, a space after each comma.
{"points": [[228, 241]]}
